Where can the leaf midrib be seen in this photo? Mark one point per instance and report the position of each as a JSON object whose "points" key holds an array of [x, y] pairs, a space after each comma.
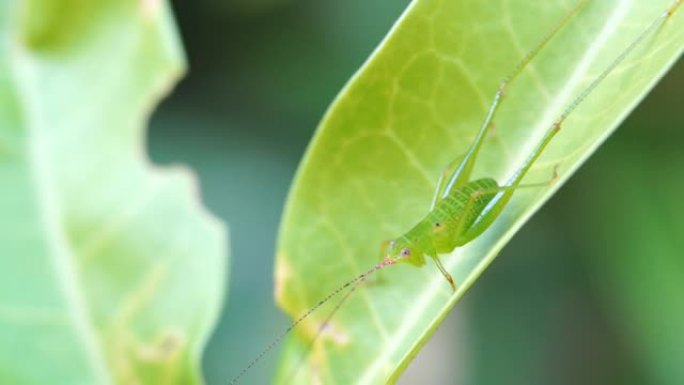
{"points": [[63, 258], [557, 105]]}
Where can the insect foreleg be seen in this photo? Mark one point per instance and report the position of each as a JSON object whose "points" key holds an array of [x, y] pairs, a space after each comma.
{"points": [[445, 273]]}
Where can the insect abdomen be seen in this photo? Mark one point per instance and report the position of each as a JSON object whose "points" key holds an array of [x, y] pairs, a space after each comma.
{"points": [[454, 214]]}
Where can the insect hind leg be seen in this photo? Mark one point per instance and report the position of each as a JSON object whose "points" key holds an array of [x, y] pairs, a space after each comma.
{"points": [[447, 173], [496, 205], [460, 173]]}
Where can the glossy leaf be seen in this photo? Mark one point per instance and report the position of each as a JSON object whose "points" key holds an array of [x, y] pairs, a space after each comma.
{"points": [[414, 107], [111, 272]]}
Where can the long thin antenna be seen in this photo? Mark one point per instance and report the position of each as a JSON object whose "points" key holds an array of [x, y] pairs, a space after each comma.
{"points": [[322, 327], [554, 129], [385, 262]]}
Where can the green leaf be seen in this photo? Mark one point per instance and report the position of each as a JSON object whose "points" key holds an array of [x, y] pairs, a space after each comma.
{"points": [[414, 107], [111, 272]]}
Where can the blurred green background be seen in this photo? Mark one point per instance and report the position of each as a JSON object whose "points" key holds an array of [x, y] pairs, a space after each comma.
{"points": [[590, 291]]}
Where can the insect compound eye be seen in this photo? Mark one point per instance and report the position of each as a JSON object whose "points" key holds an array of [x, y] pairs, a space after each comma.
{"points": [[405, 252]]}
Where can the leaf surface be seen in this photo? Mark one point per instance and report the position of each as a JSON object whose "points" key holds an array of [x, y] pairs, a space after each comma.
{"points": [[111, 272], [416, 105]]}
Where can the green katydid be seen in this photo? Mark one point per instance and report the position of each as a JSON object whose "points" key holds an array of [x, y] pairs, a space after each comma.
{"points": [[461, 208]]}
